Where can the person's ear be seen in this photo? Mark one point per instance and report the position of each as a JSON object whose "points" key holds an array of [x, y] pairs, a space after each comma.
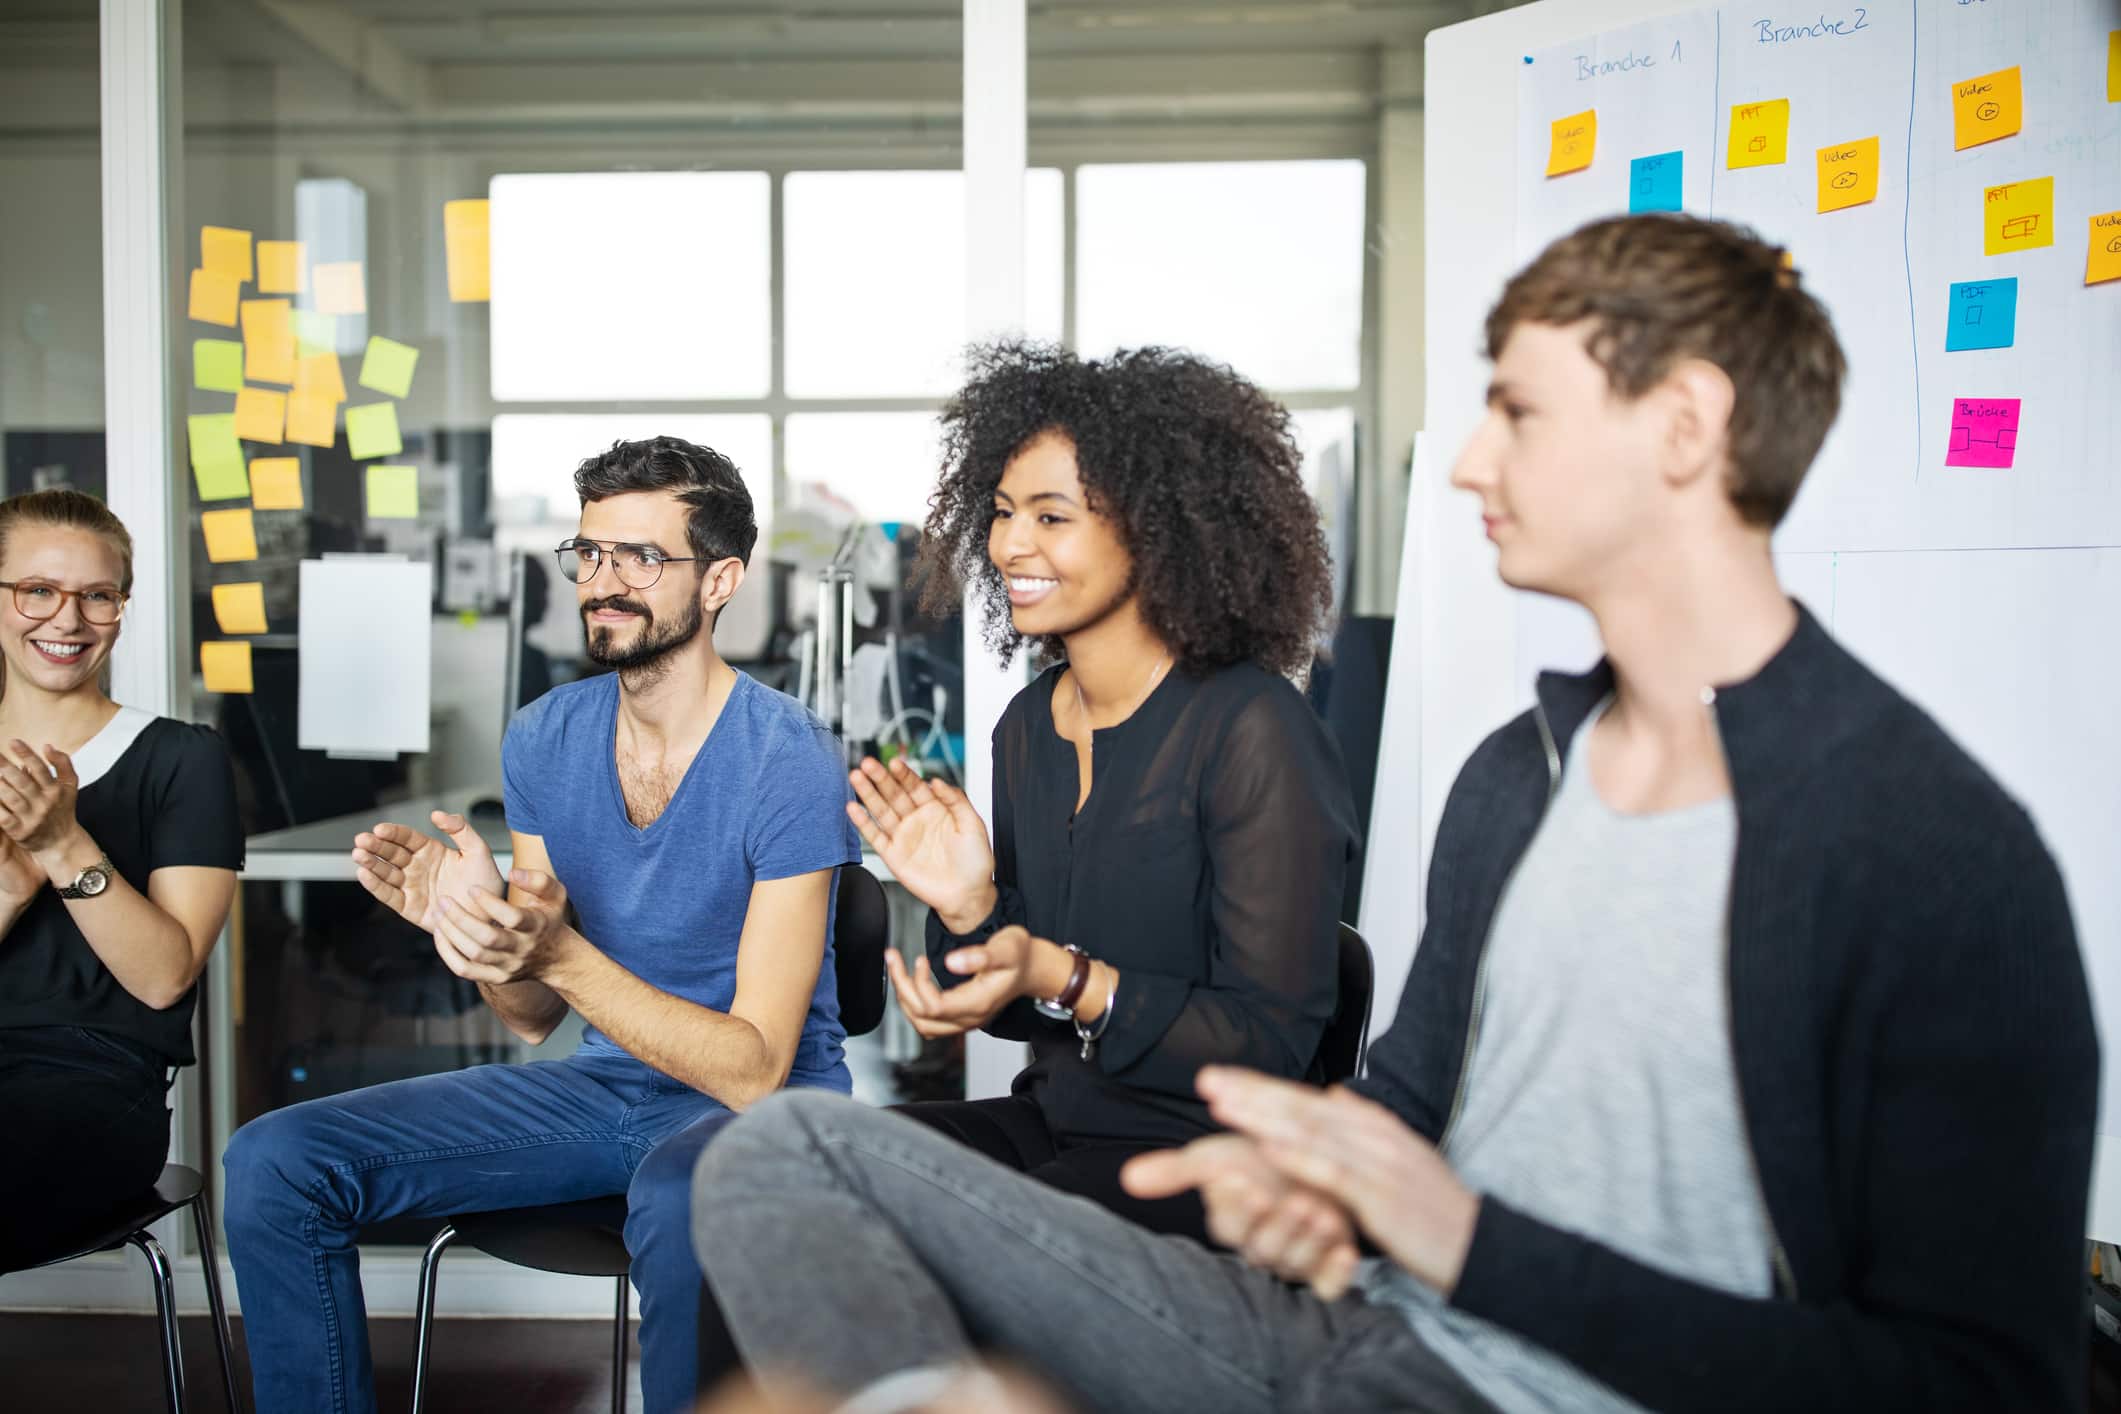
{"points": [[719, 585], [1698, 396]]}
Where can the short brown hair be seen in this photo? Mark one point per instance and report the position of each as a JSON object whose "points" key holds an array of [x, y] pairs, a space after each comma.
{"points": [[1661, 288], [72, 510]]}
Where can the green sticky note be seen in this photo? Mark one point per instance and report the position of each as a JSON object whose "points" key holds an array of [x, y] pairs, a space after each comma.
{"points": [[393, 493], [217, 457], [372, 431], [217, 365], [387, 367], [315, 333]]}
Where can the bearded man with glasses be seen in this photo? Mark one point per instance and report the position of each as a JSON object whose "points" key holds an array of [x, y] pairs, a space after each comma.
{"points": [[695, 821]]}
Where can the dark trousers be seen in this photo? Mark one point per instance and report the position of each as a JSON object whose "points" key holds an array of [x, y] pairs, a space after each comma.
{"points": [[86, 1117], [1011, 1131]]}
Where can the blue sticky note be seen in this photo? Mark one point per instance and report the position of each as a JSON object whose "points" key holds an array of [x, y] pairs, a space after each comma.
{"points": [[1984, 315], [1653, 182]]}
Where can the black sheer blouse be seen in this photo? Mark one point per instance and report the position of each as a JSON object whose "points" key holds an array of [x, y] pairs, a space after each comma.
{"points": [[1207, 865]]}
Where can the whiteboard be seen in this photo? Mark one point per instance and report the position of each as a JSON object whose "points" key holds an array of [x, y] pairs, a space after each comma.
{"points": [[1992, 596]]}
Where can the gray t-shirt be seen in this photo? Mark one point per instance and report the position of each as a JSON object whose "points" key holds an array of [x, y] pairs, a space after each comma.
{"points": [[1602, 1097]]}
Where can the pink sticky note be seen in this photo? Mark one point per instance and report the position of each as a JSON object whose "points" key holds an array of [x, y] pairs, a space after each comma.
{"points": [[1984, 432]]}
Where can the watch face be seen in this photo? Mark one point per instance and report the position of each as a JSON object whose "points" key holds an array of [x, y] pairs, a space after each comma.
{"points": [[92, 882]]}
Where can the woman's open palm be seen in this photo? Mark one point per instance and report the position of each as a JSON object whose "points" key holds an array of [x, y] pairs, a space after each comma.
{"points": [[927, 833]]}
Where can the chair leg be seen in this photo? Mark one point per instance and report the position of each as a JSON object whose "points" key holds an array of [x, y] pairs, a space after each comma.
{"points": [[210, 1261], [166, 1308], [618, 1348], [430, 1265]]}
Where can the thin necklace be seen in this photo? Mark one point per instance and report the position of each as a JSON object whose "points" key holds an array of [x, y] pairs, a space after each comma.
{"points": [[1155, 675]]}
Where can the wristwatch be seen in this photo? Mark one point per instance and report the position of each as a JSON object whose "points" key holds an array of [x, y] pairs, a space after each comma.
{"points": [[1062, 1007], [90, 881]]}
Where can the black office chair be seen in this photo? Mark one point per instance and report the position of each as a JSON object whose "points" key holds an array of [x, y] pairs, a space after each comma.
{"points": [[587, 1238], [178, 1187], [1347, 1036]]}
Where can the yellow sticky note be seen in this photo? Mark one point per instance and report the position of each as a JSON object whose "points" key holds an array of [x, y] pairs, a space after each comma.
{"points": [[2113, 66], [341, 288], [225, 251], [1848, 174], [372, 431], [261, 415], [226, 665], [393, 493], [276, 484], [318, 376], [268, 341], [2102, 255], [214, 297], [312, 420], [240, 608], [230, 535], [280, 268], [1572, 142], [316, 333], [2018, 216], [1988, 107], [1760, 134], [468, 237], [387, 367]]}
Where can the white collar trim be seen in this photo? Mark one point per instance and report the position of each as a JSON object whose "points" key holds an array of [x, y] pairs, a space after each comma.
{"points": [[101, 752]]}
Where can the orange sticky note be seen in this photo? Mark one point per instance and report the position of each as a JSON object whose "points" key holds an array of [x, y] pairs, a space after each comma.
{"points": [[1848, 174], [318, 375], [1760, 134], [341, 288], [467, 236], [230, 535], [1988, 107], [312, 420], [261, 415], [240, 608], [276, 484], [2018, 216], [2102, 254], [225, 251], [226, 666], [268, 341], [214, 297], [1572, 142], [280, 268]]}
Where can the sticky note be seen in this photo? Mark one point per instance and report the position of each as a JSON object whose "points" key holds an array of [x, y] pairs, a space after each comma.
{"points": [[276, 484], [2102, 253], [225, 251], [268, 341], [2113, 66], [2018, 216], [261, 415], [226, 666], [340, 288], [1760, 134], [1986, 108], [387, 367], [240, 608], [216, 457], [466, 236], [312, 420], [315, 333], [1984, 432], [217, 365], [393, 493], [230, 535], [1653, 182], [1848, 174], [372, 431], [1983, 315], [318, 375], [1572, 142], [214, 297], [280, 268]]}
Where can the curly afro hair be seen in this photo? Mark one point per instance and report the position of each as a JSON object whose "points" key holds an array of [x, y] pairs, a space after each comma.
{"points": [[1194, 466]]}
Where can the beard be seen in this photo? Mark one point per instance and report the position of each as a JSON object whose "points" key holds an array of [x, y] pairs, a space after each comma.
{"points": [[651, 647]]}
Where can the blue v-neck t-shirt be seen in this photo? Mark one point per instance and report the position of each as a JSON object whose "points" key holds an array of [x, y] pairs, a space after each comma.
{"points": [[765, 798]]}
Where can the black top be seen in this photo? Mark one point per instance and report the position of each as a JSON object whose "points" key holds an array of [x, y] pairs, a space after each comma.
{"points": [[169, 800], [1207, 866], [1916, 1063]]}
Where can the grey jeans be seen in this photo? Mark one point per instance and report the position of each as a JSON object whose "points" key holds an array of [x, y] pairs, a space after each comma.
{"points": [[846, 1244]]}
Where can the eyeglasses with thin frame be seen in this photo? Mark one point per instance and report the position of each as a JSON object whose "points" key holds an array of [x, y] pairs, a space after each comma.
{"points": [[36, 599], [637, 566]]}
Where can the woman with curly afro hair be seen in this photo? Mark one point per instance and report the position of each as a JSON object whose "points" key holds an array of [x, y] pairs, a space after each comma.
{"points": [[1172, 826]]}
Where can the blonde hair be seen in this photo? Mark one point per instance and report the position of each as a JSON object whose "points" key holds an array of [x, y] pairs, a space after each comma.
{"points": [[68, 509]]}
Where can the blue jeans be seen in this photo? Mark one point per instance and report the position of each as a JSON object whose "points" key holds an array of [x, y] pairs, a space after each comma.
{"points": [[302, 1180]]}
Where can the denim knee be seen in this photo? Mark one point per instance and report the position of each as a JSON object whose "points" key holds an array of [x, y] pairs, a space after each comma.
{"points": [[264, 1161]]}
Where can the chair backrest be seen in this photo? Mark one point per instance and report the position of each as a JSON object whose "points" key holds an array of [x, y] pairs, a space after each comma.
{"points": [[861, 930], [1347, 1035]]}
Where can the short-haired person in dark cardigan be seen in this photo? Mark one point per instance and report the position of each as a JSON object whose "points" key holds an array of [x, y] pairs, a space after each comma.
{"points": [[119, 846], [1746, 1062]]}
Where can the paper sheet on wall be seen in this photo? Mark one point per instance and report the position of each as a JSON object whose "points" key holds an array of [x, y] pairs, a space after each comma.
{"points": [[364, 638]]}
